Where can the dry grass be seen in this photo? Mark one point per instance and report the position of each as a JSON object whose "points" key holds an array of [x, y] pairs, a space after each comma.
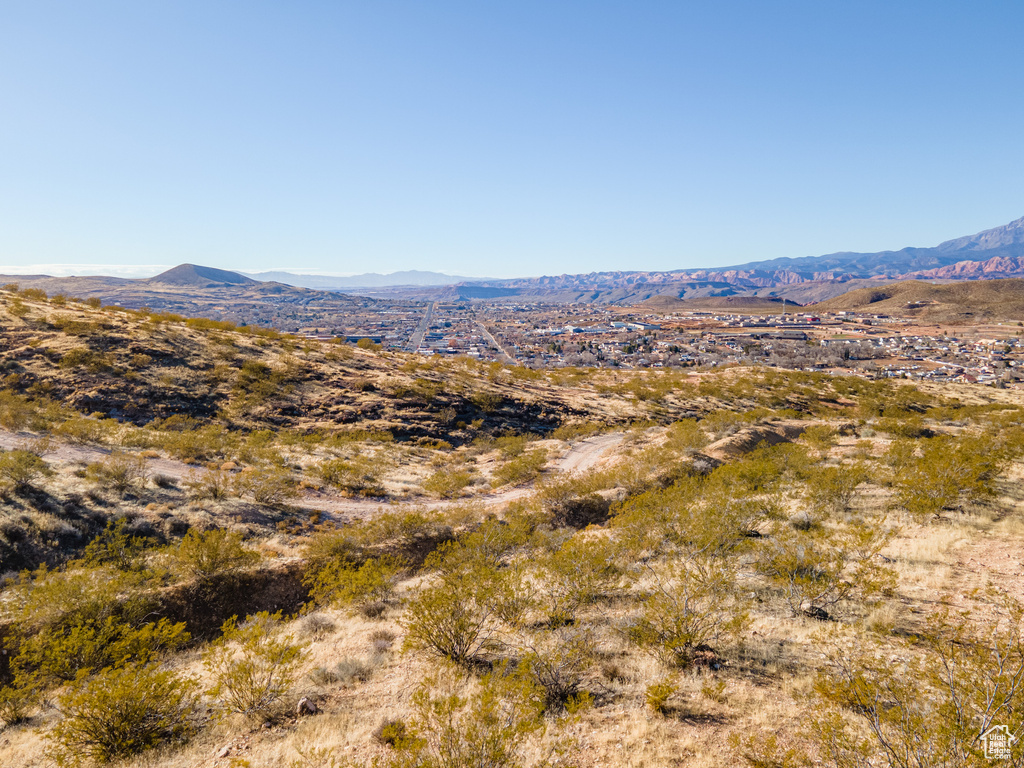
{"points": [[762, 687]]}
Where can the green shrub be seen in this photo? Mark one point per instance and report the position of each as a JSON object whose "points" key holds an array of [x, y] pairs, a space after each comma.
{"points": [[574, 576], [364, 586], [120, 472], [16, 411], [488, 544], [65, 652], [206, 554], [44, 598], [923, 704], [947, 470], [685, 437], [830, 490], [69, 325], [393, 733], [711, 516], [82, 357], [658, 694], [488, 402], [206, 324], [20, 468], [486, 728], [693, 603], [357, 477], [266, 485], [460, 616], [253, 665], [368, 344], [512, 445], [558, 662], [120, 713], [821, 567], [821, 438], [80, 429], [116, 547], [904, 426], [576, 430], [330, 547], [521, 469], [83, 618], [447, 483], [15, 704], [213, 484], [17, 308], [189, 442], [257, 383]]}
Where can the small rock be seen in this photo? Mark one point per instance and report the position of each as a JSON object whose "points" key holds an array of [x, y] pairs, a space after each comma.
{"points": [[224, 752], [815, 612]]}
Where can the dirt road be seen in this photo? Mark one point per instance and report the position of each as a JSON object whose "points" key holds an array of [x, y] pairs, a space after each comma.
{"points": [[580, 457]]}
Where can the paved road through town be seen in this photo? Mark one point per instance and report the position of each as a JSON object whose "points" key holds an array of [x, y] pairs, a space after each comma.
{"points": [[494, 343], [421, 329]]}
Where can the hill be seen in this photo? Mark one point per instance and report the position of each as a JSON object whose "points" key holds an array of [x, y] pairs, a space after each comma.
{"points": [[195, 276], [951, 303], [192, 290], [137, 366], [742, 304]]}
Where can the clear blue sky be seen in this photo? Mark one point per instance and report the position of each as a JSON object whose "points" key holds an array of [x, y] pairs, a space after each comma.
{"points": [[488, 138]]}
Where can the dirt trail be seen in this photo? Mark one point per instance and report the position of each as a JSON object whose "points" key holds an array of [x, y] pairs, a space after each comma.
{"points": [[587, 453], [579, 458]]}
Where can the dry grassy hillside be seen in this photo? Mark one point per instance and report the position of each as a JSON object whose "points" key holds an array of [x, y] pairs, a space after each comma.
{"points": [[449, 564], [961, 302], [138, 366], [747, 304]]}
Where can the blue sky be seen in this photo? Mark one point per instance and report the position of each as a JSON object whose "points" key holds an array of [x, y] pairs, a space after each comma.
{"points": [[501, 139]]}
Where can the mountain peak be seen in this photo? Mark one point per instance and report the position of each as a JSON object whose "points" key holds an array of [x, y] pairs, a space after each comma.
{"points": [[200, 277], [989, 239]]}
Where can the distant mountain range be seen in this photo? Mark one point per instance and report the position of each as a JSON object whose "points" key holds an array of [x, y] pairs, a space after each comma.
{"points": [[994, 253], [999, 243], [366, 280]]}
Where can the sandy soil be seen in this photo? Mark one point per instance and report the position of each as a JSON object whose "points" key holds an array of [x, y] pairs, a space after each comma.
{"points": [[580, 457]]}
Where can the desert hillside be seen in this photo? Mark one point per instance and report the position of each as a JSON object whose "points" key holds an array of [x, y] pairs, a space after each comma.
{"points": [[746, 304], [972, 301], [224, 546]]}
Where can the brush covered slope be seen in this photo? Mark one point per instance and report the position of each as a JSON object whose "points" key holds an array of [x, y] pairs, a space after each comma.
{"points": [[747, 304], [140, 366], [966, 302], [746, 567], [197, 291]]}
